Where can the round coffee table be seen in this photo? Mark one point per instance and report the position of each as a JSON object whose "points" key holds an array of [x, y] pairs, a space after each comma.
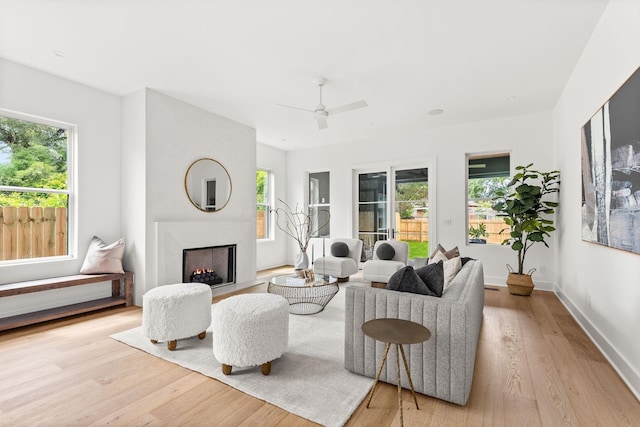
{"points": [[305, 298], [398, 332]]}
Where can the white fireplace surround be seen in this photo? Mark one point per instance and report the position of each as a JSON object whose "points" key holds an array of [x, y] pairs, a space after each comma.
{"points": [[174, 236]]}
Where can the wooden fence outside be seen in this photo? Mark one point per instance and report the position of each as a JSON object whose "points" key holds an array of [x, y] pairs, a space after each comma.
{"points": [[32, 232], [260, 225], [417, 230]]}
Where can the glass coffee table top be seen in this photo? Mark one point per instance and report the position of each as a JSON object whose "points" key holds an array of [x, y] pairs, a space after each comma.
{"points": [[304, 297]]}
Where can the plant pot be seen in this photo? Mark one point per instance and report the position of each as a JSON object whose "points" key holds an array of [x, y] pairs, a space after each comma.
{"points": [[478, 241], [520, 284]]}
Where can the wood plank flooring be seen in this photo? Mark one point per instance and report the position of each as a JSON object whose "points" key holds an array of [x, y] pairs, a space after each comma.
{"points": [[535, 367]]}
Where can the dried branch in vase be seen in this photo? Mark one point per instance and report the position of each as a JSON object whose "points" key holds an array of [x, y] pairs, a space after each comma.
{"points": [[298, 224]]}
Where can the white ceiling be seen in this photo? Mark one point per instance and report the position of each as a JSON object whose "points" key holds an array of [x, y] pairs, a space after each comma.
{"points": [[238, 58]]}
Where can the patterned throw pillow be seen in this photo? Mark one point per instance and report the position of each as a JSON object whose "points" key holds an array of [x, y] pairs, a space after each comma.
{"points": [[452, 253]]}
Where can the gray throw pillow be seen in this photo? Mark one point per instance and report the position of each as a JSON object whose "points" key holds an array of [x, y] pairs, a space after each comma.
{"points": [[433, 277], [340, 249], [407, 280], [385, 252]]}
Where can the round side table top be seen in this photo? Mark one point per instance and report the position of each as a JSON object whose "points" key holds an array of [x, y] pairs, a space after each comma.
{"points": [[396, 331]]}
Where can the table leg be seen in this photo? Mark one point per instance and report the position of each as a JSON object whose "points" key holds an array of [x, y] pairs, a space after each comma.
{"points": [[406, 368], [384, 359], [398, 347]]}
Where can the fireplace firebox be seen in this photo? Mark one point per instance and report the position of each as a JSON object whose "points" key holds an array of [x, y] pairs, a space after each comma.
{"points": [[213, 265]]}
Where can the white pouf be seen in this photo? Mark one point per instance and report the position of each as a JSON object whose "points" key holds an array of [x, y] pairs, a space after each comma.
{"points": [[173, 312], [250, 330]]}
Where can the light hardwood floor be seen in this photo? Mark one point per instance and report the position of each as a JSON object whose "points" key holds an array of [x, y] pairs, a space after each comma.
{"points": [[535, 366]]}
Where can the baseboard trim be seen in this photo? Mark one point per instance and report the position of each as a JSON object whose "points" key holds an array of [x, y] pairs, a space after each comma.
{"points": [[626, 371], [540, 285]]}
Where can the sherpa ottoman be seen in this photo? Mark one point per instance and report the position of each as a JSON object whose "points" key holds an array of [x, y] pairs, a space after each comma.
{"points": [[250, 330], [174, 312]]}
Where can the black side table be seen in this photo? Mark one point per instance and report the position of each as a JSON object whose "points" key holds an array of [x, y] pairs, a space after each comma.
{"points": [[398, 332]]}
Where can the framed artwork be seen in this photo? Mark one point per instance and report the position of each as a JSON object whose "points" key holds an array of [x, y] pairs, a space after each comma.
{"points": [[611, 171]]}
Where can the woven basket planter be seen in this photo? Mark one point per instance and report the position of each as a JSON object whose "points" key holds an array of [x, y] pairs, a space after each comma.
{"points": [[520, 284]]}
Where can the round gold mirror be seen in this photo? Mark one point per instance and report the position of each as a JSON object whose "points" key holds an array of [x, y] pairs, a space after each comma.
{"points": [[208, 185]]}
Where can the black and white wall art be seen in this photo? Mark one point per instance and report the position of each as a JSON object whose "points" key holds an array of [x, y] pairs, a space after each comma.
{"points": [[611, 171]]}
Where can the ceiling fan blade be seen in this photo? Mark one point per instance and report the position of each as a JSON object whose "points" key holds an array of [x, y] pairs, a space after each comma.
{"points": [[322, 122], [348, 107], [295, 108]]}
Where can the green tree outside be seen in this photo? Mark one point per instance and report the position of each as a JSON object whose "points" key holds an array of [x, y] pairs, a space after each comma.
{"points": [[32, 155], [411, 195]]}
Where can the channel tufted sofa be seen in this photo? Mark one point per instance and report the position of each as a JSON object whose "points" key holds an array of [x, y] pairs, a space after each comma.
{"points": [[442, 366]]}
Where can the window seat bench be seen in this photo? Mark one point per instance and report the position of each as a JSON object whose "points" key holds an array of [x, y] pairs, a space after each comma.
{"points": [[20, 288]]}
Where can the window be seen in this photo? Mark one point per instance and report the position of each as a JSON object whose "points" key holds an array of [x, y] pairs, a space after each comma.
{"points": [[34, 187], [264, 202], [487, 173], [320, 203]]}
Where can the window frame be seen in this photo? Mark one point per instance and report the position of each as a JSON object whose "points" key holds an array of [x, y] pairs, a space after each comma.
{"points": [[269, 205], [319, 205], [71, 190], [479, 156]]}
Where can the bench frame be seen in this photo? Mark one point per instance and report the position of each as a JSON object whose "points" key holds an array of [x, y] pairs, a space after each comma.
{"points": [[20, 288]]}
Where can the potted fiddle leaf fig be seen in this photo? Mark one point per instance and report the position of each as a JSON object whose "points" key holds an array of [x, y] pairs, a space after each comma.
{"points": [[528, 211]]}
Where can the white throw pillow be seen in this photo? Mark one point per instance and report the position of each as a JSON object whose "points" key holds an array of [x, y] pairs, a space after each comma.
{"points": [[451, 268], [103, 258]]}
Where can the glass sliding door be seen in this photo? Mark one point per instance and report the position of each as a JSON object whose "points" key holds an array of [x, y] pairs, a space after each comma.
{"points": [[411, 202], [373, 222], [393, 204]]}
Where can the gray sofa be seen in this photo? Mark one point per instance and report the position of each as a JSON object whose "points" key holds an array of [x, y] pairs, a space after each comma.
{"points": [[442, 366]]}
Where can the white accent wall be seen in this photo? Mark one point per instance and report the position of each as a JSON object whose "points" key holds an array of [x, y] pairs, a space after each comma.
{"points": [[162, 136], [600, 285], [97, 117]]}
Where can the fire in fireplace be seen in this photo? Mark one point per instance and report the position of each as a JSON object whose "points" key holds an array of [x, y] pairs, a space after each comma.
{"points": [[205, 275], [213, 265]]}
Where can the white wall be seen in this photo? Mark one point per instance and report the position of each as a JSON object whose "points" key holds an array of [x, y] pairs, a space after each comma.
{"points": [[176, 134], [273, 252], [527, 137], [134, 188], [97, 117], [600, 285]]}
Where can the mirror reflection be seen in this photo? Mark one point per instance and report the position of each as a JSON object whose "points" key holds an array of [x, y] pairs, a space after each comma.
{"points": [[208, 185]]}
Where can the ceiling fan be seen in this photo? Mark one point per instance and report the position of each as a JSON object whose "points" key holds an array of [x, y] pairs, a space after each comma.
{"points": [[320, 113]]}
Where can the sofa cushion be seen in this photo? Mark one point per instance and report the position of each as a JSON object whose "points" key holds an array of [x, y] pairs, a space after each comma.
{"points": [[339, 249], [407, 280], [385, 252], [465, 259], [433, 276]]}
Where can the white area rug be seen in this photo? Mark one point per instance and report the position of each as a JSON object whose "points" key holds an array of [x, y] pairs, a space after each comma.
{"points": [[309, 380]]}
